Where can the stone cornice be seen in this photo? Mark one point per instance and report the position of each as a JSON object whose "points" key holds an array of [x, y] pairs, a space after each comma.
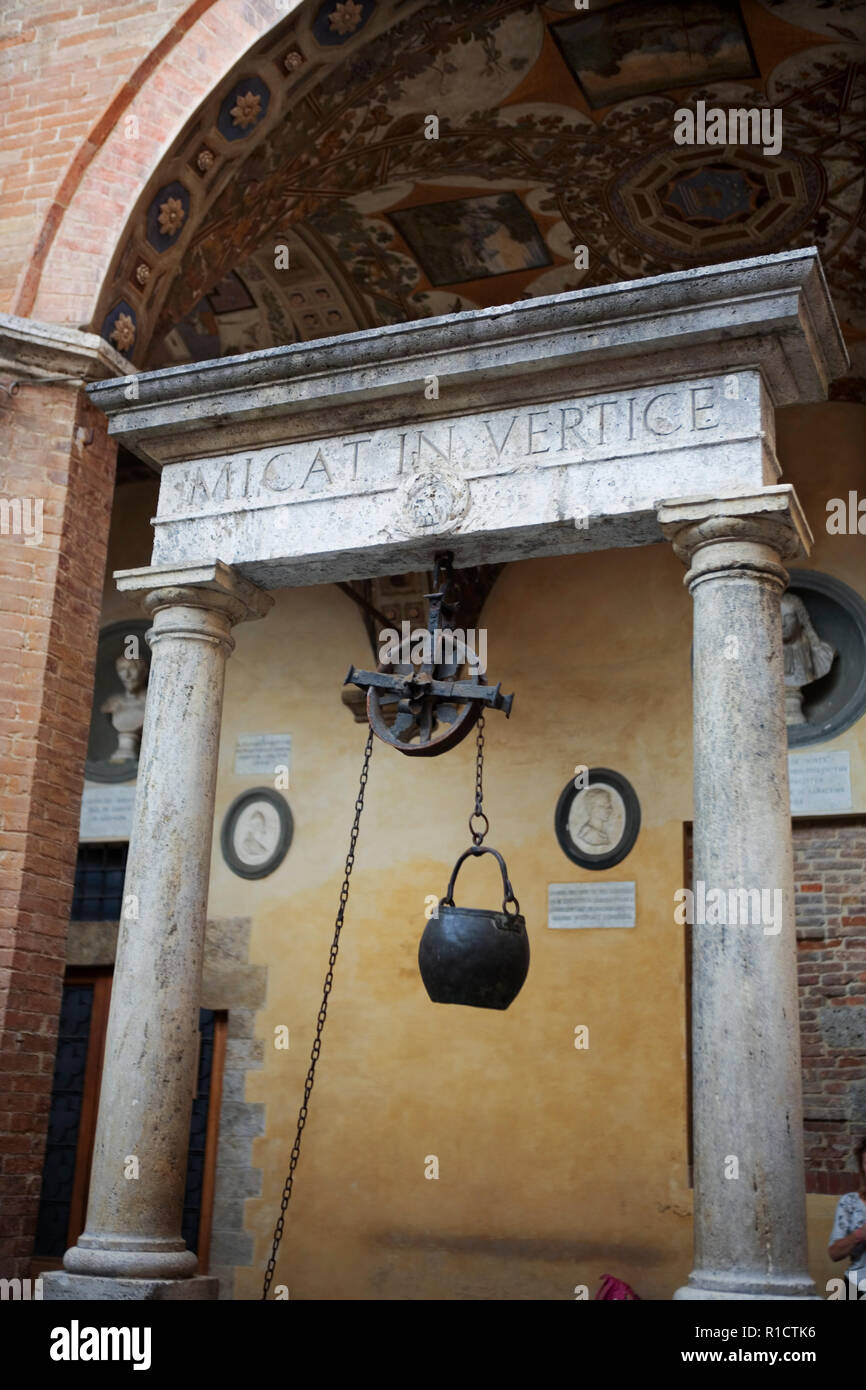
{"points": [[34, 351], [772, 312]]}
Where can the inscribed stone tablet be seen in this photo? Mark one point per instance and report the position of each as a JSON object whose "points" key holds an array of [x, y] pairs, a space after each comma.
{"points": [[262, 753], [106, 811], [820, 782], [590, 905]]}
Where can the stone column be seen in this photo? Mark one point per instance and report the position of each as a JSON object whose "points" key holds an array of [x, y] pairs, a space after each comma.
{"points": [[750, 1204], [132, 1245], [57, 466]]}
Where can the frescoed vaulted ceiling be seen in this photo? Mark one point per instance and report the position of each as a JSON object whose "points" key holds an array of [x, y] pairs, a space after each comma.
{"points": [[385, 160]]}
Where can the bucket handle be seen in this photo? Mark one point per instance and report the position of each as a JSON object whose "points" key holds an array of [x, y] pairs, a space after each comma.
{"points": [[508, 891]]}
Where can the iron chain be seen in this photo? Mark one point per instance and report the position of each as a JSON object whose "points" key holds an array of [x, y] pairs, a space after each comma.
{"points": [[320, 1022], [478, 813]]}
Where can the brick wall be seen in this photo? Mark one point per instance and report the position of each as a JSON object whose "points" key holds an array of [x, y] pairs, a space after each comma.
{"points": [[60, 66], [830, 884], [70, 177], [830, 877], [71, 77], [50, 597]]}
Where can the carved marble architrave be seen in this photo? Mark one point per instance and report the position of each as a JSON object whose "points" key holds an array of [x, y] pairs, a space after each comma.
{"points": [[560, 423]]}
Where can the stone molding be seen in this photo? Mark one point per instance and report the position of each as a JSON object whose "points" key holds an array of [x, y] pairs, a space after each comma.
{"points": [[741, 533], [558, 425], [213, 588], [33, 351], [775, 314]]}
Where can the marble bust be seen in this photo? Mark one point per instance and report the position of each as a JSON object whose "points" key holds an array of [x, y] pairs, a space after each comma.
{"points": [[807, 657], [127, 709]]}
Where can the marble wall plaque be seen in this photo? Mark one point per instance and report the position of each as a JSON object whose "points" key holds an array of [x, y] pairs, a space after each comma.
{"points": [[820, 782], [256, 832], [262, 753], [106, 812], [590, 905]]}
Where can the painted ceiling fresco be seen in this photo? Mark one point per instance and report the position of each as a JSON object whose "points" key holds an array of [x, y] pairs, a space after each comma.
{"points": [[314, 195]]}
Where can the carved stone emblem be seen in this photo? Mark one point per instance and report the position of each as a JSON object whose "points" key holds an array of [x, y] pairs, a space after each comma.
{"points": [[432, 503], [256, 832], [597, 818]]}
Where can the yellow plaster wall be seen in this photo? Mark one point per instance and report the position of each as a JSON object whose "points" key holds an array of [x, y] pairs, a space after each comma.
{"points": [[528, 1130], [555, 1165]]}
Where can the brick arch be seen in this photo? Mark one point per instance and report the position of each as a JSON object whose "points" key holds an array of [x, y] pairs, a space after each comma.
{"points": [[86, 220]]}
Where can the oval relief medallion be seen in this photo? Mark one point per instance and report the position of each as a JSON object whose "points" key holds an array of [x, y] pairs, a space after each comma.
{"points": [[432, 503]]}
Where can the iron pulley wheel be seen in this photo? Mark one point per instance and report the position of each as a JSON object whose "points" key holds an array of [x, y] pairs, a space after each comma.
{"points": [[421, 722]]}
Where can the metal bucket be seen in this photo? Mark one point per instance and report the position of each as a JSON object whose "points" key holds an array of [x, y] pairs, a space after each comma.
{"points": [[471, 956]]}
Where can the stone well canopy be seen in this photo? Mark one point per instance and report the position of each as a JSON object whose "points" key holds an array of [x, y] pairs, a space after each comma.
{"points": [[547, 427], [611, 416]]}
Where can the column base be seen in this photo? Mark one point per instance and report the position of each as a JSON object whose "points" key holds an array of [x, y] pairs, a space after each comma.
{"points": [[60, 1287], [746, 1288], [112, 1256]]}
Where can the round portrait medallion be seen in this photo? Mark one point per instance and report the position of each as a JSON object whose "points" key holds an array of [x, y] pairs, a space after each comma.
{"points": [[597, 818], [256, 832]]}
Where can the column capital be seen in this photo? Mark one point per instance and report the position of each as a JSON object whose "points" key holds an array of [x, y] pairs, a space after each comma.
{"points": [[215, 587], [738, 532], [770, 517]]}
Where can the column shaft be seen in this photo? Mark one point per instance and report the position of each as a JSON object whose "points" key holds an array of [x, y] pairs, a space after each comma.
{"points": [[135, 1208], [750, 1216]]}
